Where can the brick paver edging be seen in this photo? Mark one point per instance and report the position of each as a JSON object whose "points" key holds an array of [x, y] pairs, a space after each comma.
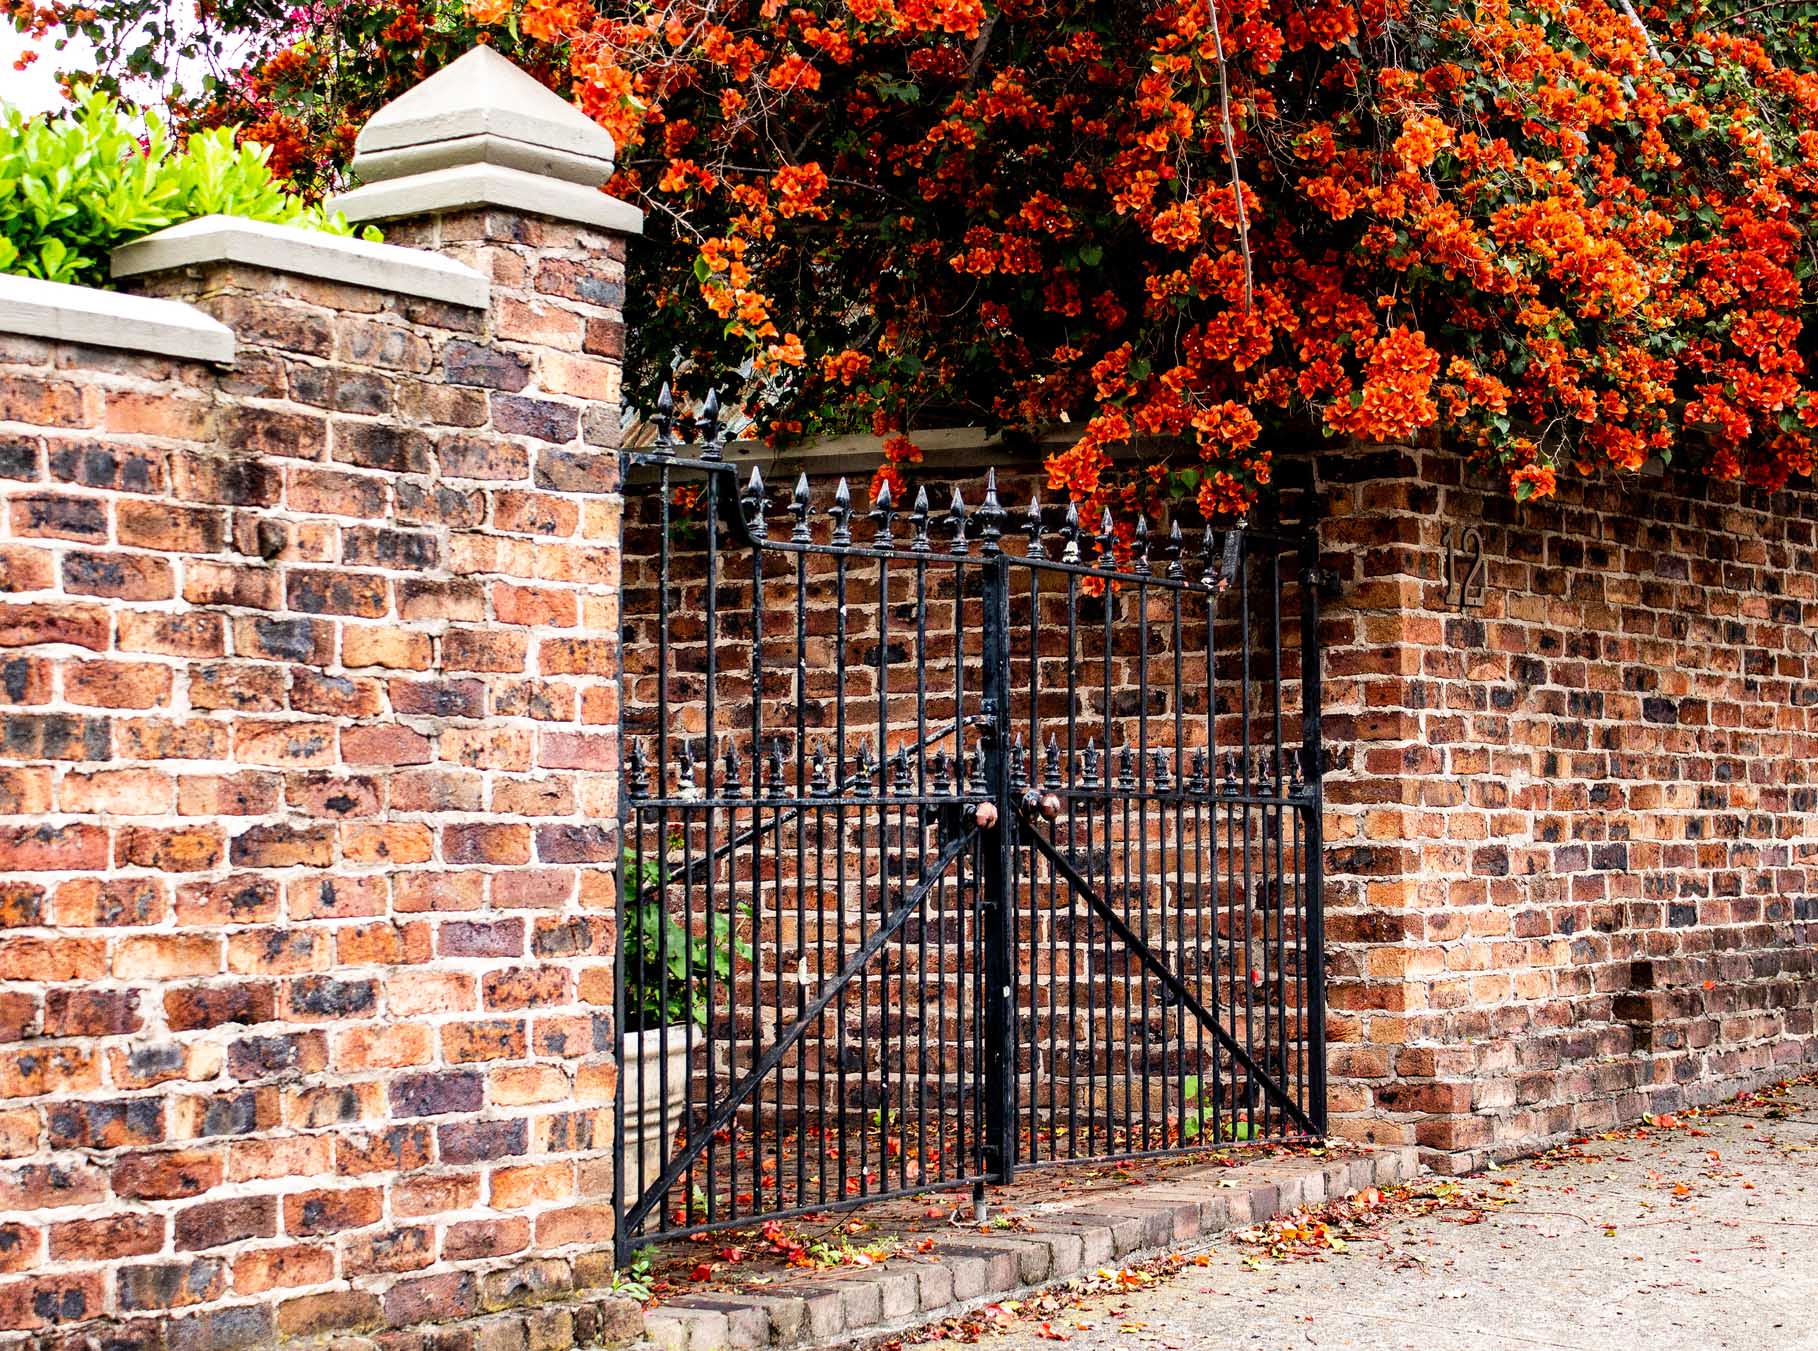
{"points": [[970, 1268]]}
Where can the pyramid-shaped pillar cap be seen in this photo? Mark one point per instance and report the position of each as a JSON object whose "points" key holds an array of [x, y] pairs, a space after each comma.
{"points": [[482, 109], [481, 132]]}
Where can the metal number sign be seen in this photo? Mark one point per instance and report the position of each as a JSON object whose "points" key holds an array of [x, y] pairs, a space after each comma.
{"points": [[1466, 584]]}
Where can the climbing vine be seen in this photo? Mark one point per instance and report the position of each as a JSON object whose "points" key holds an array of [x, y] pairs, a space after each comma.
{"points": [[1561, 237]]}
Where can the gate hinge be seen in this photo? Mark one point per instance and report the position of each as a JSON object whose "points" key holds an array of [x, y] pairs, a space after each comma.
{"points": [[1325, 580]]}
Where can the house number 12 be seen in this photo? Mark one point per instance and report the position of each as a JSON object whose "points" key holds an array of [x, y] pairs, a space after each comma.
{"points": [[1465, 581]]}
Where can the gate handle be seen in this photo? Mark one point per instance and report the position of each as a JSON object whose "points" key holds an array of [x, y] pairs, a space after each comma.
{"points": [[1048, 804]]}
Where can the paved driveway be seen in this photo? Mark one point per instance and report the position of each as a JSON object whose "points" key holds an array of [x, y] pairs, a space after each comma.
{"points": [[1700, 1233]]}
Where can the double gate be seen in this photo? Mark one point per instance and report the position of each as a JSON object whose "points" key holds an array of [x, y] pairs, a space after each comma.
{"points": [[958, 842]]}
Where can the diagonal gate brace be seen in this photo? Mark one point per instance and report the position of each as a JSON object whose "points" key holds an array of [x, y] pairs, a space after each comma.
{"points": [[730, 1104], [1161, 971]]}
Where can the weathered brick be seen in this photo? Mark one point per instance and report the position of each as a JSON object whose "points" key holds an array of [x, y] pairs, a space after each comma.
{"points": [[91, 1013], [168, 1175], [341, 593], [437, 1094], [53, 848], [328, 1212], [128, 1235], [117, 575], [215, 1224], [57, 516], [30, 625], [468, 363], [26, 569], [117, 684], [94, 903]]}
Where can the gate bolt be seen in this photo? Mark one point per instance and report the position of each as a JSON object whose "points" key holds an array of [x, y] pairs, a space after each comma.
{"points": [[1048, 804]]}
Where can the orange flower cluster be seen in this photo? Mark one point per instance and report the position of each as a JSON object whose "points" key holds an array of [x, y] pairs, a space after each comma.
{"points": [[1562, 236]]}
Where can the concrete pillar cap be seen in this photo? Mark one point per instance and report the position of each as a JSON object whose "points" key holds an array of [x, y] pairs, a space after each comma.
{"points": [[482, 109]]}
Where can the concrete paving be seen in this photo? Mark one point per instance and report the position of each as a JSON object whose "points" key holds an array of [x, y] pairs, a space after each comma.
{"points": [[1702, 1235]]}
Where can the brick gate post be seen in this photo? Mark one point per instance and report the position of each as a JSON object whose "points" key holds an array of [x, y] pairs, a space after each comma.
{"points": [[322, 940], [1571, 825]]}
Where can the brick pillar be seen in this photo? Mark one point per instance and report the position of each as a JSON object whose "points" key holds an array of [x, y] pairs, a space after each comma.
{"points": [[307, 895], [1572, 823]]}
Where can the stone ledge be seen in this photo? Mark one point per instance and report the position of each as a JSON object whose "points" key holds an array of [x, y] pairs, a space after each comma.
{"points": [[308, 253], [970, 1268], [946, 452], [463, 186], [83, 314]]}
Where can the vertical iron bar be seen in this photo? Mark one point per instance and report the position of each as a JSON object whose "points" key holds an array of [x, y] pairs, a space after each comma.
{"points": [[1145, 783], [1039, 917], [668, 1127], [928, 905], [1313, 752], [1181, 771], [885, 1004], [801, 887], [1112, 1038], [710, 602], [760, 788], [1245, 778], [1279, 900], [1208, 896], [839, 844], [1074, 906], [998, 1027]]}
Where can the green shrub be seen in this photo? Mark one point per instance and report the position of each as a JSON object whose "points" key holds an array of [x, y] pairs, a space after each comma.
{"points": [[75, 185], [668, 971]]}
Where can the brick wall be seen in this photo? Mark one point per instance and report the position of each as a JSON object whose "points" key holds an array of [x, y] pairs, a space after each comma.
{"points": [[306, 880], [1573, 832]]}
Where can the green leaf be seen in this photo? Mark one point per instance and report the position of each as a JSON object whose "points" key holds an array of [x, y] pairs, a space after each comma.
{"points": [[51, 258]]}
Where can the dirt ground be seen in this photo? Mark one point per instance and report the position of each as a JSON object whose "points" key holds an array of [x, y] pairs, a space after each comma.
{"points": [[1697, 1231]]}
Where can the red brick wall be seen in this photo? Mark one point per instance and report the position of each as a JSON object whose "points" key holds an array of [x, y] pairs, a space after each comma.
{"points": [[306, 765], [1572, 832]]}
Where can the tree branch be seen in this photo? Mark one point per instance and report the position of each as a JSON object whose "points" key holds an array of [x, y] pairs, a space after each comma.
{"points": [[977, 61], [1237, 178], [1628, 8]]}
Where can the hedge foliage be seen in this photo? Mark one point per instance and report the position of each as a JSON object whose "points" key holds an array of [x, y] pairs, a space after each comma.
{"points": [[75, 185]]}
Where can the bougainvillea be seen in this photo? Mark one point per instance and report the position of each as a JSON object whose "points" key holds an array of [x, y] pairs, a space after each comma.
{"points": [[1562, 237]]}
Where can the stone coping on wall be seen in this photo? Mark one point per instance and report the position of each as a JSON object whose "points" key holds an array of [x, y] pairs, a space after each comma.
{"points": [[311, 253], [60, 312], [461, 187], [483, 108], [945, 450]]}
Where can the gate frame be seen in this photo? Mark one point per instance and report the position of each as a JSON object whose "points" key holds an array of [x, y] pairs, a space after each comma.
{"points": [[1014, 826]]}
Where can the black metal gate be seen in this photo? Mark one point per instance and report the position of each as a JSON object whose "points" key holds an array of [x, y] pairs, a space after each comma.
{"points": [[955, 843]]}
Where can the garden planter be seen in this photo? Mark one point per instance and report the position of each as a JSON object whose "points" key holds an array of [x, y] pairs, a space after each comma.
{"points": [[651, 1116]]}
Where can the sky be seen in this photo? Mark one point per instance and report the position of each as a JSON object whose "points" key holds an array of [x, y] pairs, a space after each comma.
{"points": [[32, 89]]}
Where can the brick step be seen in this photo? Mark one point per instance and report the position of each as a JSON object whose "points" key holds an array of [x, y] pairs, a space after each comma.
{"points": [[594, 1320], [970, 1269]]}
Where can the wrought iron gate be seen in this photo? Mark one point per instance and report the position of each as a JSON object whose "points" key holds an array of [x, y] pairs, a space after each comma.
{"points": [[955, 843]]}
